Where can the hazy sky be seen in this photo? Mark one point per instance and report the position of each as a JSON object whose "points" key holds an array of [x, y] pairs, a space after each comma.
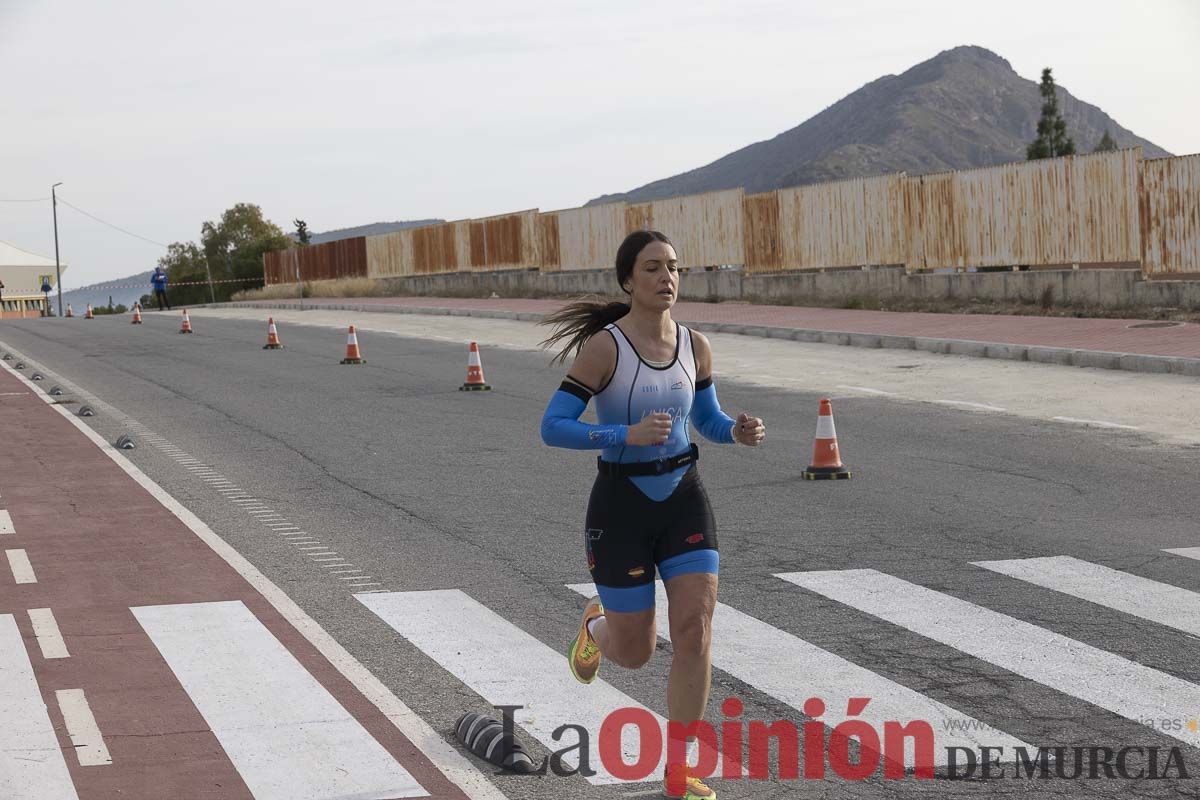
{"points": [[159, 115]]}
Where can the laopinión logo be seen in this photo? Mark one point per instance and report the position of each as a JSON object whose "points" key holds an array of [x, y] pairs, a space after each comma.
{"points": [[812, 749]]}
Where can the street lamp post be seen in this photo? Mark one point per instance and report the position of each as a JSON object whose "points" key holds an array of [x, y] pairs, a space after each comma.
{"points": [[57, 268]]}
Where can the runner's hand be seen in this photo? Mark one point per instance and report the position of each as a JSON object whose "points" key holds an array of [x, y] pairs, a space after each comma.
{"points": [[652, 430], [749, 430]]}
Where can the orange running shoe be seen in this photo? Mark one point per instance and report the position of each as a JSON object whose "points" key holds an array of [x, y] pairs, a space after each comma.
{"points": [[584, 656], [693, 787]]}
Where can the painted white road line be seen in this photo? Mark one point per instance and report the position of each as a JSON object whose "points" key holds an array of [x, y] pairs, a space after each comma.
{"points": [[32, 766], [6, 523], [793, 670], [453, 764], [286, 735], [337, 565], [968, 404], [868, 390], [507, 666], [1124, 687], [49, 637], [1186, 552], [1141, 597], [82, 728], [1099, 423], [22, 570]]}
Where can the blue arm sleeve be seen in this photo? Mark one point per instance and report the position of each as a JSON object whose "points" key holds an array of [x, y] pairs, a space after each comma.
{"points": [[713, 423], [561, 426]]}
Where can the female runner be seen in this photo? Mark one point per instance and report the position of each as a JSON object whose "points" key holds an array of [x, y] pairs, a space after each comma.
{"points": [[648, 509]]}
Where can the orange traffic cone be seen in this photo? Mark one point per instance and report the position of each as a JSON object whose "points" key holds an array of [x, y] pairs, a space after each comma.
{"points": [[89, 314], [826, 460], [70, 311], [186, 325], [353, 356], [137, 314], [475, 382], [273, 342]]}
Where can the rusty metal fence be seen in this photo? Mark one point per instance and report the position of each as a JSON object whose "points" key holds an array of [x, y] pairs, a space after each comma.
{"points": [[1093, 210]]}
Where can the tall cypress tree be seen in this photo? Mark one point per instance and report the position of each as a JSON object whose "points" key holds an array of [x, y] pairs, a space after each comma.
{"points": [[1052, 139], [1106, 144]]}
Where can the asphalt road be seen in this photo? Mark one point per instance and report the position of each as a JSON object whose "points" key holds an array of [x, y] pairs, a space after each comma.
{"points": [[423, 487]]}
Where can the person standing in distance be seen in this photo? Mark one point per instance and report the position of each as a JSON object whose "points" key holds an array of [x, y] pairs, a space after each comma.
{"points": [[648, 510], [159, 281]]}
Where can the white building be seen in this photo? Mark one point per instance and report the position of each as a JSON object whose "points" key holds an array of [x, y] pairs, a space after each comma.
{"points": [[22, 273]]}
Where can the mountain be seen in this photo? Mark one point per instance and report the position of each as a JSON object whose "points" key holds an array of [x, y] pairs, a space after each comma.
{"points": [[124, 291], [963, 108], [374, 229]]}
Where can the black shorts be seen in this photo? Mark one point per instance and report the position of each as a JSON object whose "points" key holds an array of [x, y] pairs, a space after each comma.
{"points": [[628, 535]]}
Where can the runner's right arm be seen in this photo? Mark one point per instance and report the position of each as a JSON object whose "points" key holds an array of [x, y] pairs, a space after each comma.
{"points": [[594, 367]]}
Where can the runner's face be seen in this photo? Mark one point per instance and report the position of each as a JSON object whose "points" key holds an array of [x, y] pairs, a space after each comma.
{"points": [[654, 281]]}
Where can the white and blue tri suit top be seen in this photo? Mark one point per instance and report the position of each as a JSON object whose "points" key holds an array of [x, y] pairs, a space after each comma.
{"points": [[637, 389]]}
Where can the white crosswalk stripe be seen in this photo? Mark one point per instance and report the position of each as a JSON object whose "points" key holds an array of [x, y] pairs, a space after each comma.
{"points": [[287, 736], [32, 766], [792, 670], [507, 666], [1141, 597], [1103, 679], [1186, 552]]}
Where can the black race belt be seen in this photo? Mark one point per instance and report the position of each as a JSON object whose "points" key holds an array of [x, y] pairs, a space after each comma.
{"points": [[641, 468]]}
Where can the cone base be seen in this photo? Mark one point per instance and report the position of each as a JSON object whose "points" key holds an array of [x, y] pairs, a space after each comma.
{"points": [[272, 347], [136, 322], [826, 474], [475, 387], [185, 331], [354, 361]]}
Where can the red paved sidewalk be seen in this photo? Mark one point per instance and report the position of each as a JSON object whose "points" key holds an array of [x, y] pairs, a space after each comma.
{"points": [[94, 549], [1105, 335]]}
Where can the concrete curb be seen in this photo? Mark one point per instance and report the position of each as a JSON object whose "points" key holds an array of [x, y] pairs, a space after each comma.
{"points": [[1062, 356]]}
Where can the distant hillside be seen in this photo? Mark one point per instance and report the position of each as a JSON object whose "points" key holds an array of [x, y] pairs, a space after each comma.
{"points": [[963, 108], [374, 229], [97, 294]]}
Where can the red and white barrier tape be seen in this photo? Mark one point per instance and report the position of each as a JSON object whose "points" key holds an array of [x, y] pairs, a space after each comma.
{"points": [[169, 285]]}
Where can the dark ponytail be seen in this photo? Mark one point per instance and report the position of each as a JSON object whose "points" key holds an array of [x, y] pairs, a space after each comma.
{"points": [[579, 321]]}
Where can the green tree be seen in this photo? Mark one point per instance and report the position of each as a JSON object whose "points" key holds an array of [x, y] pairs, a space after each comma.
{"points": [[1052, 139], [234, 247], [301, 232], [1106, 143]]}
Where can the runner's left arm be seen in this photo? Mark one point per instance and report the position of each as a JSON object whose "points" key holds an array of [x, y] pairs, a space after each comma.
{"points": [[713, 423]]}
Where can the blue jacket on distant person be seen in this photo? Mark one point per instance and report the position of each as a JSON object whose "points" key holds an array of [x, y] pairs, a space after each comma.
{"points": [[159, 279]]}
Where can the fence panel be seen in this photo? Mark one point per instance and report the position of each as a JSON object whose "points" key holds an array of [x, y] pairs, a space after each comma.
{"points": [[934, 237], [760, 230], [638, 217], [588, 237], [1170, 216], [390, 255], [706, 228], [883, 205], [822, 225], [551, 261], [1105, 204], [1041, 225], [345, 258], [981, 202], [435, 249], [507, 241]]}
